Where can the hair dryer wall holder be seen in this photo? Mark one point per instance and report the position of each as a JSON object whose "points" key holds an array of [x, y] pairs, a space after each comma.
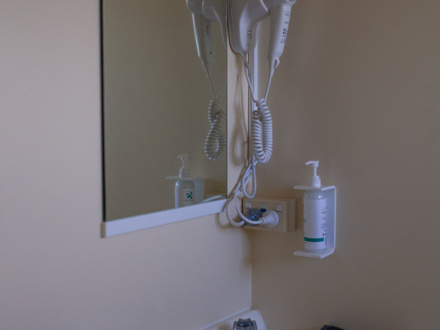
{"points": [[331, 223]]}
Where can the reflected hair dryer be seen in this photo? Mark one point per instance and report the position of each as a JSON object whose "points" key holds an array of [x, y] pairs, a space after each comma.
{"points": [[204, 12], [244, 20]]}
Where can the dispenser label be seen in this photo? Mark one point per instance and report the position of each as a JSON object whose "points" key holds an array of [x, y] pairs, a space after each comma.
{"points": [[188, 196], [315, 224]]}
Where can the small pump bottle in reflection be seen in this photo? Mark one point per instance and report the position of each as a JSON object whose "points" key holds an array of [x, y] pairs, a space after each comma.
{"points": [[185, 189]]}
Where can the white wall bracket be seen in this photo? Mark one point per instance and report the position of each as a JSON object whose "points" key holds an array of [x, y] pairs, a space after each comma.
{"points": [[331, 223]]}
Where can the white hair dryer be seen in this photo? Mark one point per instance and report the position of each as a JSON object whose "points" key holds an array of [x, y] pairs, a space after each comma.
{"points": [[244, 19]]}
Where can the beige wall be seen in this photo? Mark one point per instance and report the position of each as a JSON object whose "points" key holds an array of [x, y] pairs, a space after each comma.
{"points": [[358, 88], [56, 271]]}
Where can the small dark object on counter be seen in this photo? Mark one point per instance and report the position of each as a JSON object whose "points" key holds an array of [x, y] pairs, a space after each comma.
{"points": [[329, 327]]}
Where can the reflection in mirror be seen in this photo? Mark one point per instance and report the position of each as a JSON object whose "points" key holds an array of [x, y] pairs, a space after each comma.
{"points": [[163, 105]]}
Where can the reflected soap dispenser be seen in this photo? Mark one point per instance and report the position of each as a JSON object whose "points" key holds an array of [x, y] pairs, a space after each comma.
{"points": [[315, 213], [185, 189]]}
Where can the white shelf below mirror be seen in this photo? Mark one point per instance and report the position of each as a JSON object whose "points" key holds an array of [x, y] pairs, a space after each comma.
{"points": [[145, 221]]}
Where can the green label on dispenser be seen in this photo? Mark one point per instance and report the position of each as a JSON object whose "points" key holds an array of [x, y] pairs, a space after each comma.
{"points": [[314, 239], [188, 194]]}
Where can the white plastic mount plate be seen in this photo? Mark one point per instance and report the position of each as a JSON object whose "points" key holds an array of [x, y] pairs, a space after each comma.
{"points": [[283, 206]]}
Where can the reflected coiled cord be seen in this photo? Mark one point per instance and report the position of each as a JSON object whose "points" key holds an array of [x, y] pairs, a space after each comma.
{"points": [[215, 143]]}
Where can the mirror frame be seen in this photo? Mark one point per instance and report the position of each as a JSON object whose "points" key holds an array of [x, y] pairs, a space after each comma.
{"points": [[149, 220]]}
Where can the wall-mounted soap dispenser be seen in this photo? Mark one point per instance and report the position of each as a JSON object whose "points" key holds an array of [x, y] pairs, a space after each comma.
{"points": [[319, 207]]}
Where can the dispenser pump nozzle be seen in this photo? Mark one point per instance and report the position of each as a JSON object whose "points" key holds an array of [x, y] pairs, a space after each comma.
{"points": [[315, 179], [184, 172]]}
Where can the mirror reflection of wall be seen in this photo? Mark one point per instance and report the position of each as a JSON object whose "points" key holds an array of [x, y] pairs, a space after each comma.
{"points": [[156, 96]]}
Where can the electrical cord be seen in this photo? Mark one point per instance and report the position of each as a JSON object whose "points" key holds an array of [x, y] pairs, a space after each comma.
{"points": [[262, 135], [215, 143], [262, 147]]}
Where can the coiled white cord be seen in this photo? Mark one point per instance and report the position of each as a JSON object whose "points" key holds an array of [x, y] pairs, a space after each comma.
{"points": [[215, 143], [262, 142], [262, 135]]}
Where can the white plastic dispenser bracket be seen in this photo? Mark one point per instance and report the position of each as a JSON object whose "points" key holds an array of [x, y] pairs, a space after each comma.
{"points": [[315, 185]]}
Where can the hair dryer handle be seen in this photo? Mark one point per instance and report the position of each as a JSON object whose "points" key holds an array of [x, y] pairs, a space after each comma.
{"points": [[202, 32], [243, 19], [216, 10], [280, 17]]}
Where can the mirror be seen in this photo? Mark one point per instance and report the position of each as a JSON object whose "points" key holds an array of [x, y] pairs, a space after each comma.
{"points": [[156, 95]]}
